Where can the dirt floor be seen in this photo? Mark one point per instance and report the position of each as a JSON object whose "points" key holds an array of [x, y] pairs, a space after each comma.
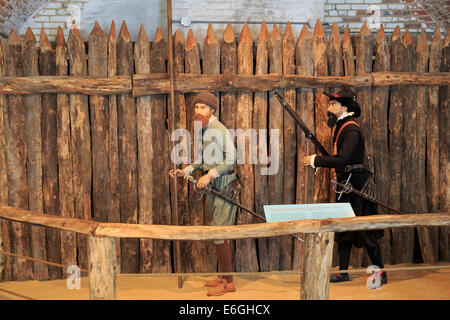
{"points": [[402, 285]]}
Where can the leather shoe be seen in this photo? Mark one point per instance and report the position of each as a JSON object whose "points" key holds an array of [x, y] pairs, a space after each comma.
{"points": [[221, 289]]}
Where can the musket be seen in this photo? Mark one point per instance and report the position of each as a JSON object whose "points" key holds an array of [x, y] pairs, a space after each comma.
{"points": [[224, 197], [308, 134]]}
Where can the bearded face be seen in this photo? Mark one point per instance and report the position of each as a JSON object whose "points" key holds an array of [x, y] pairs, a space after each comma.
{"points": [[202, 113]]}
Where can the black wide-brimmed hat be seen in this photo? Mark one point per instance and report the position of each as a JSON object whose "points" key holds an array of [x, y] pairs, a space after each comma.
{"points": [[346, 98]]}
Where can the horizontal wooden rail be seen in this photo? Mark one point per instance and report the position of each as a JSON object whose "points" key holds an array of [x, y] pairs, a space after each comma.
{"points": [[158, 83], [258, 230]]}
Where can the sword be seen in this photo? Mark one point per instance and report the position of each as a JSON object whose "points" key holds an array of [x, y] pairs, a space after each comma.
{"points": [[224, 197], [347, 188]]}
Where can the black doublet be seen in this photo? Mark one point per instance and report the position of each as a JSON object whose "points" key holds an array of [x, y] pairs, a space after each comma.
{"points": [[350, 150]]}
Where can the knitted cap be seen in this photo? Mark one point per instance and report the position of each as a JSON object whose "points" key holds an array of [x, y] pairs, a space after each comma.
{"points": [[207, 98], [346, 98]]}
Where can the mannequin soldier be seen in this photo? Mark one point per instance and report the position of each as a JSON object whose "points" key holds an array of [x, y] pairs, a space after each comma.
{"points": [[218, 170], [349, 154]]}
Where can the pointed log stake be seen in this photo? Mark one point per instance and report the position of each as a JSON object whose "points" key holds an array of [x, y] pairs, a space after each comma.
{"points": [[380, 101], [16, 157], [65, 166], [173, 127], [228, 62], [246, 259], [260, 108], [5, 238], [210, 65], [290, 145], [323, 132], [305, 110], [127, 142], [145, 151]]}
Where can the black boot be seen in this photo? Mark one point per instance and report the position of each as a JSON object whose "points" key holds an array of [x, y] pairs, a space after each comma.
{"points": [[339, 277]]}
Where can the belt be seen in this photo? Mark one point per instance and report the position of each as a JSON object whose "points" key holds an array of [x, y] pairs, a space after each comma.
{"points": [[352, 167]]}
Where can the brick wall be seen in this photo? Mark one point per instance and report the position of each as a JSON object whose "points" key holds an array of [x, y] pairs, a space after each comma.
{"points": [[389, 13], [38, 14]]}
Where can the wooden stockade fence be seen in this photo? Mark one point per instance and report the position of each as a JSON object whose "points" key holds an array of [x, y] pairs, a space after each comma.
{"points": [[83, 134]]}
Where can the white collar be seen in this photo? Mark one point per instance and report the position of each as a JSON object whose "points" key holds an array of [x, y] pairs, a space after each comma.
{"points": [[345, 114]]}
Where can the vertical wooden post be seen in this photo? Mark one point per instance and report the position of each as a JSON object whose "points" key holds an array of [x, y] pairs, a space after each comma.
{"points": [[102, 268], [260, 109], [65, 166], [228, 60], [290, 144], [47, 64], [127, 139], [80, 139], [210, 65], [315, 280], [16, 158], [395, 138], [418, 165], [246, 259], [380, 100], [113, 149], [305, 110], [323, 133], [5, 264], [195, 257], [275, 122], [145, 150]]}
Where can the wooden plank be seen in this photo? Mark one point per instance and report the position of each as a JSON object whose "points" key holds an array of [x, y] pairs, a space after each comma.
{"points": [[159, 83], [49, 220], [315, 280], [144, 151], [323, 132], [380, 102], [113, 144], [64, 84], [444, 137], [181, 123], [290, 144], [98, 67], [260, 107], [396, 112], [305, 110], [129, 230], [64, 153], [194, 259], [102, 268], [408, 176], [246, 259], [161, 192], [127, 139], [47, 65], [5, 241], [210, 65], [418, 165], [16, 157], [80, 141], [432, 166], [269, 229], [228, 62]]}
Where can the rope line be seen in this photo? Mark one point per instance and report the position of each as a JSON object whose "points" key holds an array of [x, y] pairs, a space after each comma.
{"points": [[39, 260]]}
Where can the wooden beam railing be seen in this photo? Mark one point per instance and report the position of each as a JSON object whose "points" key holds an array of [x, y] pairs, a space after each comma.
{"points": [[318, 243], [159, 83]]}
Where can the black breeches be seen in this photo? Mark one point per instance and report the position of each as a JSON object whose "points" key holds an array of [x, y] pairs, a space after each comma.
{"points": [[345, 248]]}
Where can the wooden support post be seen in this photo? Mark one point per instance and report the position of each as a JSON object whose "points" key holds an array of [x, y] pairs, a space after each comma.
{"points": [[102, 268], [315, 280]]}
